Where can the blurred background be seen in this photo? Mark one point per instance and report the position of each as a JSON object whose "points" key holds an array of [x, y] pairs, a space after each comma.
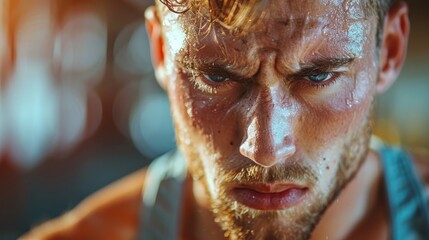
{"points": [[80, 108]]}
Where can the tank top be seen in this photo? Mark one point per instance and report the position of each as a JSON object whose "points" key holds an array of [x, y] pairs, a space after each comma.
{"points": [[408, 203]]}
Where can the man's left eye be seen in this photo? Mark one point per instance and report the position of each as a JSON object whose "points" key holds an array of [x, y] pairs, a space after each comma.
{"points": [[215, 78], [320, 77]]}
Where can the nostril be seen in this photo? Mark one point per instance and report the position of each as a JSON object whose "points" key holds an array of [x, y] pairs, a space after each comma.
{"points": [[267, 143], [247, 148], [265, 153]]}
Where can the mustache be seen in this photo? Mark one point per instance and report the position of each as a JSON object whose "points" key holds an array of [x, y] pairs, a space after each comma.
{"points": [[271, 175]]}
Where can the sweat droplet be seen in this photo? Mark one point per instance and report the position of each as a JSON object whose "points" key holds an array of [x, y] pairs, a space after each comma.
{"points": [[349, 103], [351, 100], [325, 30]]}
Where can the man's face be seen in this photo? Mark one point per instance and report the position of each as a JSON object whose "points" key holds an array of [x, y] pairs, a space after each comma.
{"points": [[275, 121]]}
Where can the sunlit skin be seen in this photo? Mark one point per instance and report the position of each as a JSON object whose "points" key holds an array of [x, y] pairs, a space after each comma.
{"points": [[284, 107], [274, 123]]}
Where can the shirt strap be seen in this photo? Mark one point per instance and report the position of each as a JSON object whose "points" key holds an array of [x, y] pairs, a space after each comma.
{"points": [[162, 195], [409, 209]]}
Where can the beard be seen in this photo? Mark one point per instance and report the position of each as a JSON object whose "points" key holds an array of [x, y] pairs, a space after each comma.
{"points": [[241, 222]]}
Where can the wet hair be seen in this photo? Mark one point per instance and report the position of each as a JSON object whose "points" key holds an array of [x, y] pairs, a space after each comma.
{"points": [[242, 14]]}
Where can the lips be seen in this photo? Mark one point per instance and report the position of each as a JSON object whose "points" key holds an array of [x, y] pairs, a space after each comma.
{"points": [[269, 197]]}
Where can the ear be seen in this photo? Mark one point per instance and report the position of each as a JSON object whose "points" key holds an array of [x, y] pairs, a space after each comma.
{"points": [[393, 46], [154, 29]]}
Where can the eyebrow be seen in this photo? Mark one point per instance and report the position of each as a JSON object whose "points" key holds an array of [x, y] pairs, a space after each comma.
{"points": [[207, 66], [316, 66], [323, 65], [220, 70]]}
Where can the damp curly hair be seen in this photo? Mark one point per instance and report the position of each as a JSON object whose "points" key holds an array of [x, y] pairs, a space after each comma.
{"points": [[242, 14], [238, 13]]}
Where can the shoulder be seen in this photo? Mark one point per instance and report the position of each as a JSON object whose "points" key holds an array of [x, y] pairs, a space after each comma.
{"points": [[115, 207]]}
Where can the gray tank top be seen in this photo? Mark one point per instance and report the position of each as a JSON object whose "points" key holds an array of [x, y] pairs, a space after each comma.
{"points": [[162, 195], [408, 203]]}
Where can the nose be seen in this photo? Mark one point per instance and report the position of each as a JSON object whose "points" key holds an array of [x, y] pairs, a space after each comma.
{"points": [[268, 138]]}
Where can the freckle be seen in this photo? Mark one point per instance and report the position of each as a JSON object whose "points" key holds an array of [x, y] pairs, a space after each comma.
{"points": [[231, 143]]}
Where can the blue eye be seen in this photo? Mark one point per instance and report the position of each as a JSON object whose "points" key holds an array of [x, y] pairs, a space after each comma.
{"points": [[215, 78], [320, 77]]}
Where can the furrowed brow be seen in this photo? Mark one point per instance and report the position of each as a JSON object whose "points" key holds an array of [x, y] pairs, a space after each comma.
{"points": [[323, 65], [206, 66]]}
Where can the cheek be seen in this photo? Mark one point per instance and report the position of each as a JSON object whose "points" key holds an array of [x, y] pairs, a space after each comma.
{"points": [[206, 120], [334, 117], [344, 96]]}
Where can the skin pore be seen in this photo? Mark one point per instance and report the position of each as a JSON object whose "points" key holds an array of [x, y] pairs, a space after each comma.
{"points": [[286, 103]]}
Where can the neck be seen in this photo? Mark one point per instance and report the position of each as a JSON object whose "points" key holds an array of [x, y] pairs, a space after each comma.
{"points": [[198, 222], [359, 200]]}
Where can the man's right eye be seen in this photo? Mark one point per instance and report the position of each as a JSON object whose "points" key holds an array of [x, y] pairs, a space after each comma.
{"points": [[215, 78]]}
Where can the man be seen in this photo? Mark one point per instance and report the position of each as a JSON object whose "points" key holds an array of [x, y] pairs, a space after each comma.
{"points": [[272, 104]]}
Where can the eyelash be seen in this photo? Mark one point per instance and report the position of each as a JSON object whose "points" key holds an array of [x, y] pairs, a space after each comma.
{"points": [[203, 84], [333, 79]]}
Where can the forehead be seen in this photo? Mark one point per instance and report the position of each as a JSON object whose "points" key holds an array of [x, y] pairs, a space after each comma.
{"points": [[298, 27]]}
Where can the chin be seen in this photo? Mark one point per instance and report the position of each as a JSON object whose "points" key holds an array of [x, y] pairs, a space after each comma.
{"points": [[241, 222]]}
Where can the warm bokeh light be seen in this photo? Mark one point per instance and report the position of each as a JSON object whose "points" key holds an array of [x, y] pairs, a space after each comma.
{"points": [[81, 46], [149, 114], [2, 122], [31, 109], [72, 116], [45, 102], [131, 51]]}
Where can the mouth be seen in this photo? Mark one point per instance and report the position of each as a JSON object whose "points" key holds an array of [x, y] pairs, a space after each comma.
{"points": [[269, 196]]}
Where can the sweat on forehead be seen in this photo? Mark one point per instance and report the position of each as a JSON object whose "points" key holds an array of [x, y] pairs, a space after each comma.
{"points": [[309, 31]]}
